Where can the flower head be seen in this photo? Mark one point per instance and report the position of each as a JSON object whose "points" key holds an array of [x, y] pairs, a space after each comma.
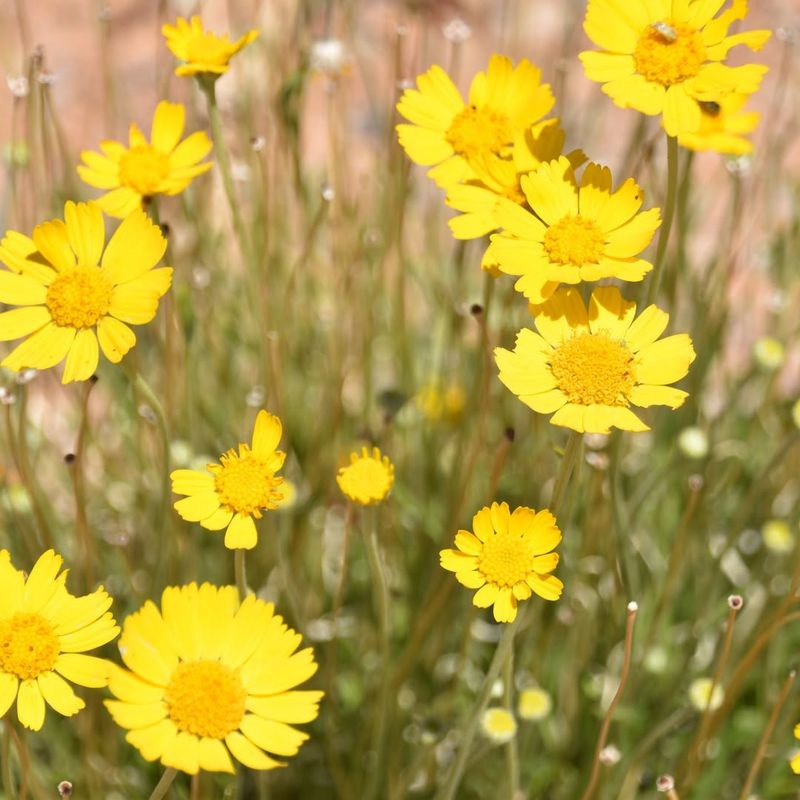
{"points": [[233, 492], [777, 536], [507, 558], [590, 367], [165, 165], [534, 703], [498, 725], [208, 678], [446, 132], [795, 762], [203, 52], [44, 634], [439, 403], [368, 478], [662, 57], [575, 233], [723, 126], [702, 697], [72, 293]]}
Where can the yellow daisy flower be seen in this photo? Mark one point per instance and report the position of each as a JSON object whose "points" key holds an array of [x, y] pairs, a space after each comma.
{"points": [[203, 52], [723, 126], [237, 489], [208, 678], [507, 559], [44, 634], [72, 293], [166, 165], [795, 762], [368, 478], [591, 367], [662, 56], [498, 725], [504, 102], [576, 234]]}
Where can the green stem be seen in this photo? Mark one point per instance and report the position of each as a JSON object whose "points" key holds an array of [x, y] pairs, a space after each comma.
{"points": [[170, 773], [571, 455], [240, 571], [512, 747], [669, 215], [5, 758]]}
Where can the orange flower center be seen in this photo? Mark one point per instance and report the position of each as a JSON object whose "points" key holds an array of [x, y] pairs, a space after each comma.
{"points": [[593, 369], [28, 645], [143, 169], [574, 240], [669, 53], [476, 131], [79, 297], [505, 560], [245, 483], [205, 698]]}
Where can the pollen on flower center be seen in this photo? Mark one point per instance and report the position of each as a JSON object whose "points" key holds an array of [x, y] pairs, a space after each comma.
{"points": [[669, 53], [143, 169], [28, 645], [592, 368], [474, 131], [205, 698], [574, 240], [505, 559], [78, 297], [245, 483]]}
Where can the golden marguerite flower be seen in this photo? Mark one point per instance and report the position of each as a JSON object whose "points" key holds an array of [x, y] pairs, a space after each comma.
{"points": [[504, 102], [590, 367], [72, 293], [507, 558], [44, 634], [203, 52], [164, 165], [234, 492], [577, 232], [208, 678], [368, 477], [662, 56], [795, 762], [723, 127]]}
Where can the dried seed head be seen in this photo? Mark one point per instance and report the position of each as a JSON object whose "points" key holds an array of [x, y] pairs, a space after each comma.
{"points": [[735, 602], [665, 783]]}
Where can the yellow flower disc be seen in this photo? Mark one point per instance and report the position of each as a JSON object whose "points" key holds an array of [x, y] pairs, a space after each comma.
{"points": [[574, 240], [669, 54], [79, 297], [143, 169], [505, 559], [474, 131], [245, 482], [28, 645]]}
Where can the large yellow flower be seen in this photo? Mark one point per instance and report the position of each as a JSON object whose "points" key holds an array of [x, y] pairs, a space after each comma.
{"points": [[507, 559], [44, 633], [237, 489], [504, 102], [591, 367], [203, 52], [723, 124], [165, 165], [662, 56], [576, 234], [72, 293], [208, 678]]}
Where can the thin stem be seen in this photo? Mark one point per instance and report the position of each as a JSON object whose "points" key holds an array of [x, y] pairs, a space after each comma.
{"points": [[240, 571], [9, 787], [669, 215], [512, 746], [568, 462], [170, 773]]}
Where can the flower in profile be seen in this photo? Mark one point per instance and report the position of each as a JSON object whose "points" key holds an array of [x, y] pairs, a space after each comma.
{"points": [[165, 165], [44, 634], [209, 678], [575, 233], [234, 492], [534, 703], [203, 52], [702, 697], [590, 367], [795, 762], [660, 57], [449, 134], [498, 725], [723, 126], [72, 292], [507, 558], [368, 478]]}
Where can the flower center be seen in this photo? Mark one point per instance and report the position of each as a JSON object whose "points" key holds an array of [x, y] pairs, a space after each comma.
{"points": [[143, 169], [505, 559], [475, 131], [245, 483], [207, 48], [205, 698], [574, 240], [593, 369], [669, 53], [78, 297], [28, 645]]}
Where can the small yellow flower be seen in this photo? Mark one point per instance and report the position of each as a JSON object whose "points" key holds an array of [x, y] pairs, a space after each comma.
{"points": [[208, 678], [203, 52], [777, 536], [235, 491], [534, 703], [769, 352], [368, 478], [498, 725], [439, 404], [165, 165], [795, 762], [796, 413], [723, 125], [507, 558], [700, 695], [44, 634], [72, 293], [693, 442]]}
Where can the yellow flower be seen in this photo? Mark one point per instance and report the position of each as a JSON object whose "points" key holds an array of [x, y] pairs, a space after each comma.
{"points": [[504, 102], [534, 703], [590, 368], [439, 404], [777, 536], [72, 293], [769, 352], [507, 559], [44, 633], [795, 762], [230, 494], [723, 124], [203, 52], [701, 696], [662, 56], [208, 678], [166, 165], [498, 725], [368, 477], [577, 233]]}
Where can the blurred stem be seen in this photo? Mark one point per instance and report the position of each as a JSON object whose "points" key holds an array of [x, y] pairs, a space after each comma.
{"points": [[512, 748], [240, 571], [569, 460], [170, 773], [669, 215], [9, 787]]}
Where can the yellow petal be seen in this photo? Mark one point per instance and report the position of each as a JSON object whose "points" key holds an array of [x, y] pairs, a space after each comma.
{"points": [[472, 579], [83, 670], [610, 312], [505, 606], [115, 338], [482, 524], [21, 322], [422, 145], [545, 563], [8, 691], [198, 506], [151, 742], [248, 754], [636, 92], [190, 481], [120, 202], [139, 715], [167, 127], [218, 520], [665, 361], [183, 753], [52, 241], [130, 688], [681, 112], [42, 350], [646, 396], [291, 707], [551, 190], [82, 357], [275, 737], [632, 237], [241, 533], [646, 328], [30, 705], [85, 231], [213, 756], [485, 596], [58, 694], [136, 247], [40, 585], [21, 290], [548, 587], [467, 543], [136, 301], [266, 434], [190, 151]]}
